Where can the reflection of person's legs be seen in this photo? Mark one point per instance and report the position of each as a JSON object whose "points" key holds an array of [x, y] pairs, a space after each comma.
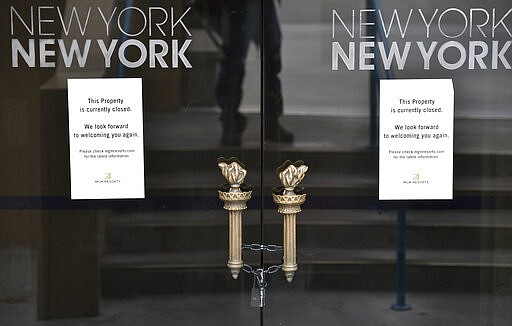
{"points": [[239, 25], [273, 103], [228, 91]]}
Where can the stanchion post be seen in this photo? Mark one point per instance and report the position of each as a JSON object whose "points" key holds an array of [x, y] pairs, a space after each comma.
{"points": [[400, 304]]}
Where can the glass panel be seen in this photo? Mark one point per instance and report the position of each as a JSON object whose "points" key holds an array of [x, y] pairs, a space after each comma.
{"points": [[456, 253], [149, 261]]}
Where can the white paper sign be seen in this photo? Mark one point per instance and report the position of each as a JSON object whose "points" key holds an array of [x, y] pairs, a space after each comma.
{"points": [[416, 139], [106, 138]]}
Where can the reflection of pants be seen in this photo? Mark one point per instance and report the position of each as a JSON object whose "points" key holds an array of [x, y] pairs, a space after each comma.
{"points": [[239, 25]]}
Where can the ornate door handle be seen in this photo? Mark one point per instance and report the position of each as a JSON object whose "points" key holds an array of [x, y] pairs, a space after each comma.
{"points": [[288, 198], [235, 195]]}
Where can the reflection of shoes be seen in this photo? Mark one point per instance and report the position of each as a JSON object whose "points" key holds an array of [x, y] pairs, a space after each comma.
{"points": [[278, 134], [232, 132]]}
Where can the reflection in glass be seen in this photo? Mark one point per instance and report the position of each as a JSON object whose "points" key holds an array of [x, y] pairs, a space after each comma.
{"points": [[239, 25]]}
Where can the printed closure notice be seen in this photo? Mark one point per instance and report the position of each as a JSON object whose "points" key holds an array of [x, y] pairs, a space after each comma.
{"points": [[106, 138], [416, 139]]}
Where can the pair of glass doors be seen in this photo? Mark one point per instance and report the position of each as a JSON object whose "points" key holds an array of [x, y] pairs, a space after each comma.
{"points": [[273, 94], [265, 82], [261, 89]]}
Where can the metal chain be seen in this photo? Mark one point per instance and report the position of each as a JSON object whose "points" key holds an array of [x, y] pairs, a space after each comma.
{"points": [[259, 273], [260, 247], [273, 269], [270, 270]]}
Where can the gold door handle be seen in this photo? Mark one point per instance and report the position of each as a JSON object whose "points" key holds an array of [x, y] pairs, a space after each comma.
{"points": [[235, 195], [288, 198]]}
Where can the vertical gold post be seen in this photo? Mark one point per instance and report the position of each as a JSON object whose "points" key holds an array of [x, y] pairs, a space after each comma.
{"points": [[235, 262], [289, 244], [235, 202]]}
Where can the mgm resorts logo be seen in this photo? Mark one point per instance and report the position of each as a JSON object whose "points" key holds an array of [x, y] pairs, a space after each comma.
{"points": [[416, 178], [107, 178]]}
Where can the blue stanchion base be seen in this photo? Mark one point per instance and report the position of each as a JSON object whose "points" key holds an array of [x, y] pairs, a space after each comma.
{"points": [[401, 307]]}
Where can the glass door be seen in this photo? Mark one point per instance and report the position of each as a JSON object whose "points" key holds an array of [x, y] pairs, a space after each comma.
{"points": [[144, 261], [360, 259], [170, 253], [244, 102]]}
